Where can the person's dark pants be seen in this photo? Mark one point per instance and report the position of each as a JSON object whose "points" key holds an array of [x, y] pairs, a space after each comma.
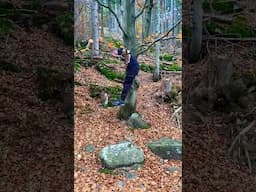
{"points": [[127, 86]]}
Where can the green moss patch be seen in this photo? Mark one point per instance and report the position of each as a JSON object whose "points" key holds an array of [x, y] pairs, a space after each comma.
{"points": [[113, 92], [109, 73], [107, 171], [166, 57], [241, 27], [174, 67], [146, 68], [222, 7]]}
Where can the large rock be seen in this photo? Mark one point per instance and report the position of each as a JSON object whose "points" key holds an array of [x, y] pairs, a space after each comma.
{"points": [[135, 121], [121, 155], [166, 148]]}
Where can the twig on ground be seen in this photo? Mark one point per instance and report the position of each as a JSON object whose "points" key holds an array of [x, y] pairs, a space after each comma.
{"points": [[245, 130]]}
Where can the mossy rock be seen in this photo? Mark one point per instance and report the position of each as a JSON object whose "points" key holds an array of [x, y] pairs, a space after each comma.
{"points": [[121, 155], [135, 121], [166, 148]]}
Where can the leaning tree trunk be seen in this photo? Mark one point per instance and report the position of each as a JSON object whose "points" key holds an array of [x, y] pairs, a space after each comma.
{"points": [[129, 26], [156, 75], [196, 41], [95, 28]]}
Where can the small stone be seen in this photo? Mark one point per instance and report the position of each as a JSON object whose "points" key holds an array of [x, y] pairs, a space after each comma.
{"points": [[79, 157], [89, 148], [172, 169], [120, 184], [130, 175], [136, 166], [82, 170]]}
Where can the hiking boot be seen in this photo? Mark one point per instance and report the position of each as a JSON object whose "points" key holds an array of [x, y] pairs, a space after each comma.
{"points": [[118, 103]]}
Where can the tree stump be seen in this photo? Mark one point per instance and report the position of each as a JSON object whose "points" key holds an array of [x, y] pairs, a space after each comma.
{"points": [[166, 88], [220, 76], [222, 82]]}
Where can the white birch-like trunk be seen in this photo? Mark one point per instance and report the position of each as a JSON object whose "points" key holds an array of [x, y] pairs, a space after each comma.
{"points": [[95, 28]]}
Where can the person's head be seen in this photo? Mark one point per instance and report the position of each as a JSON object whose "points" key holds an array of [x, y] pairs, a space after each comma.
{"points": [[121, 53]]}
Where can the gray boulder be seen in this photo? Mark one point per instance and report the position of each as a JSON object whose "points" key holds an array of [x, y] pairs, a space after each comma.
{"points": [[166, 148], [121, 155]]}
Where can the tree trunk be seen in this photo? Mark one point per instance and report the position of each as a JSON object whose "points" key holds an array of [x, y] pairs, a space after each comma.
{"points": [[156, 75], [110, 19], [130, 37], [121, 14], [196, 41], [102, 22], [148, 15], [95, 28]]}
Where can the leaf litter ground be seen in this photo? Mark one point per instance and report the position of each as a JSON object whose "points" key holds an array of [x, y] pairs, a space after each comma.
{"points": [[100, 127]]}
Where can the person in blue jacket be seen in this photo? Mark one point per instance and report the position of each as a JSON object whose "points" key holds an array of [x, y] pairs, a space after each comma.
{"points": [[132, 71]]}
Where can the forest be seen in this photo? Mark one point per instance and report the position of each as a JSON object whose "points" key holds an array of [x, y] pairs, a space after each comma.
{"points": [[60, 78], [150, 119], [218, 67]]}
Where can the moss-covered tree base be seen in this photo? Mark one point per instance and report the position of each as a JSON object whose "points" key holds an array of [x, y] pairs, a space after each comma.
{"points": [[130, 102]]}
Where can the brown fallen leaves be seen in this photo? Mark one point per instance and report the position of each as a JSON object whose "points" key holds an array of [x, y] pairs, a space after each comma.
{"points": [[100, 127]]}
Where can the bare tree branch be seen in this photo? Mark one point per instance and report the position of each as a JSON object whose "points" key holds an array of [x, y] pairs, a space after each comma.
{"points": [[142, 10], [163, 39], [115, 15], [160, 38]]}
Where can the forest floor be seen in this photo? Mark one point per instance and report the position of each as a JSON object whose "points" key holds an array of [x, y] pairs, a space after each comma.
{"points": [[100, 126]]}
